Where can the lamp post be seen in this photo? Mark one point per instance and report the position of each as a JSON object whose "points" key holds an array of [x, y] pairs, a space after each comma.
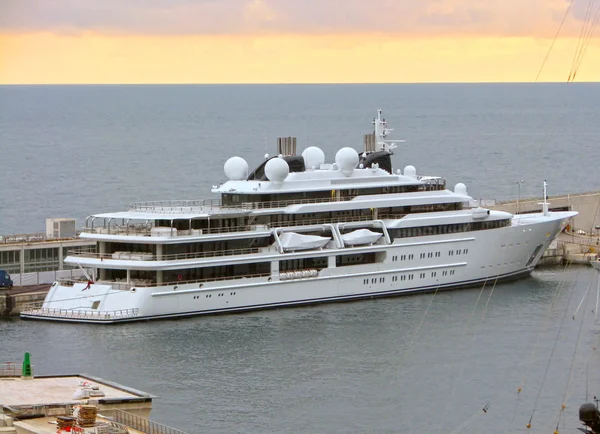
{"points": [[519, 197]]}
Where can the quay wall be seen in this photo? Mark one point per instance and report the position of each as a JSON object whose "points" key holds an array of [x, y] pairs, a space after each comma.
{"points": [[12, 304], [587, 204]]}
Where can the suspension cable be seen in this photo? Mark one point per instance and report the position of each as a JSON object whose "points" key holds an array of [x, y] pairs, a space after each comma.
{"points": [[554, 40]]}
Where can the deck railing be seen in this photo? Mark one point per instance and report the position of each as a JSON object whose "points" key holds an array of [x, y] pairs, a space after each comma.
{"points": [[391, 216], [142, 424], [327, 221], [38, 310], [146, 230], [176, 206], [214, 204], [172, 257], [111, 427], [287, 202], [148, 283], [210, 279]]}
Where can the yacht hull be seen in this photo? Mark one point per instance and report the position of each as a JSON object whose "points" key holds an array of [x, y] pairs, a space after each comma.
{"points": [[407, 266]]}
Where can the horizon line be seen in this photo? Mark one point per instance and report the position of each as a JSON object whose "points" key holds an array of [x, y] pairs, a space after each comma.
{"points": [[297, 83]]}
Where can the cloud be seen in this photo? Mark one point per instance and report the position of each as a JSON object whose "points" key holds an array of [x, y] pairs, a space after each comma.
{"points": [[201, 17]]}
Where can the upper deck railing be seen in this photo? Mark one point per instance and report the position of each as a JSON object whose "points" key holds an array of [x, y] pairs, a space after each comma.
{"points": [[36, 237], [183, 206], [147, 256], [147, 230], [285, 203], [216, 205]]}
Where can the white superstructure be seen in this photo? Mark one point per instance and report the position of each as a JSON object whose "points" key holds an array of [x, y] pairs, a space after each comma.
{"points": [[296, 231]]}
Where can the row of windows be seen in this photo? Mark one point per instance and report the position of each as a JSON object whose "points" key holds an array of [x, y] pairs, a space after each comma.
{"points": [[11, 261], [409, 257], [241, 223], [430, 255], [404, 277], [42, 254], [410, 209], [236, 271], [43, 259], [235, 198], [374, 280], [10, 257], [196, 297], [364, 258], [448, 229], [300, 264]]}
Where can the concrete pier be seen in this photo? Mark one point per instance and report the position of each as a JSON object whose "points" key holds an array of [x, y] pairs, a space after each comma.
{"points": [[31, 404], [13, 300], [587, 204]]}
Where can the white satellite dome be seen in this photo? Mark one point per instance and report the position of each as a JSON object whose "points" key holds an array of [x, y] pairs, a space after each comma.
{"points": [[313, 157], [346, 159], [460, 188], [277, 169], [410, 171], [236, 169]]}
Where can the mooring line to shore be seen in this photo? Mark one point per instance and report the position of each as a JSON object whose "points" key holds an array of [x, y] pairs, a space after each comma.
{"points": [[473, 340], [560, 328], [544, 327]]}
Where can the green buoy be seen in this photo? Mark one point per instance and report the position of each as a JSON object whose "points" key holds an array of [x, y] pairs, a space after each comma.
{"points": [[26, 373]]}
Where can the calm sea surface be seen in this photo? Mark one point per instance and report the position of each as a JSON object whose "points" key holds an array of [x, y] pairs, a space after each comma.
{"points": [[70, 151], [414, 364]]}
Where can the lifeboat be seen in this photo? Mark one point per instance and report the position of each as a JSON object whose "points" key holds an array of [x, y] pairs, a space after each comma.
{"points": [[292, 241], [360, 236]]}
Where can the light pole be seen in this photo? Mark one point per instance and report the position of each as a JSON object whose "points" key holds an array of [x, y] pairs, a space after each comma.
{"points": [[519, 197]]}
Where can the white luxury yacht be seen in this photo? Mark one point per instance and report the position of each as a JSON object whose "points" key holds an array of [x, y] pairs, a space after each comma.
{"points": [[295, 231]]}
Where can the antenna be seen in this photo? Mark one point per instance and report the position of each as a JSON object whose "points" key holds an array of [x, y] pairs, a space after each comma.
{"points": [[380, 134], [265, 141], [545, 204], [305, 133]]}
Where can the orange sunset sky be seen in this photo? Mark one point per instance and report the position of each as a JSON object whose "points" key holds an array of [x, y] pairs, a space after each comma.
{"points": [[294, 41]]}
